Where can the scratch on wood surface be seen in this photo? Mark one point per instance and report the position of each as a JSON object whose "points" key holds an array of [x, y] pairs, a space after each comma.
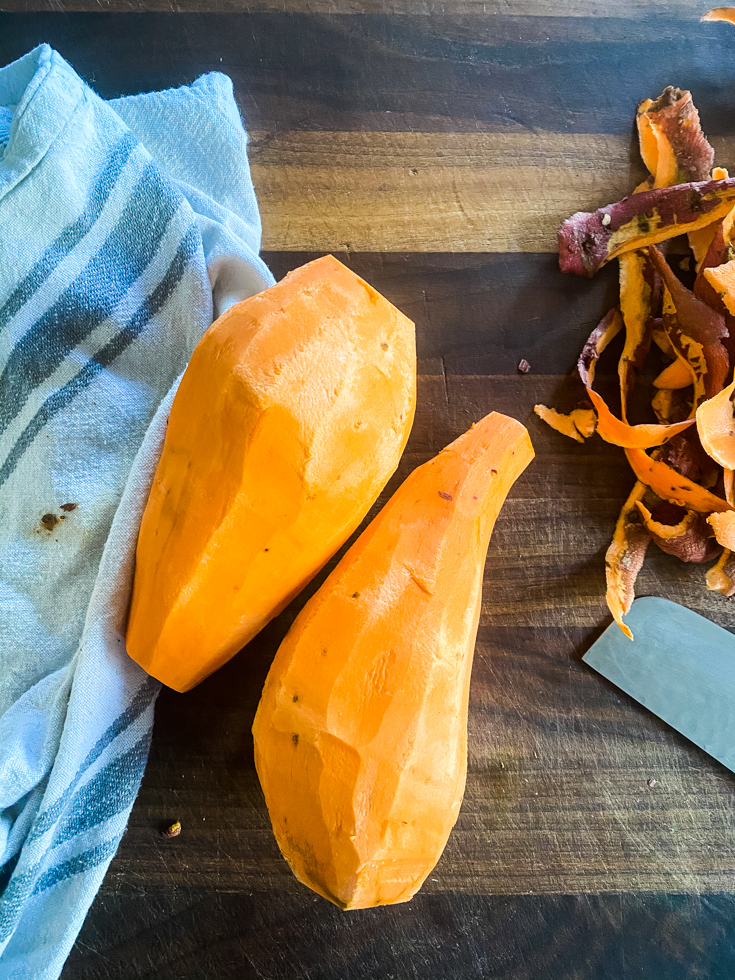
{"points": [[457, 198], [92, 950], [444, 376]]}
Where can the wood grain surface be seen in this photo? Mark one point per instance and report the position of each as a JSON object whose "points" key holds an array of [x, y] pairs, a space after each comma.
{"points": [[435, 147]]}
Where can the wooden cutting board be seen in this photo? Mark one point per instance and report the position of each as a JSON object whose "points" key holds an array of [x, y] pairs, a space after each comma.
{"points": [[435, 147]]}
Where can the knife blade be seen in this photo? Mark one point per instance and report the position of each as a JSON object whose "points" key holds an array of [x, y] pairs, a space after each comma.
{"points": [[680, 666]]}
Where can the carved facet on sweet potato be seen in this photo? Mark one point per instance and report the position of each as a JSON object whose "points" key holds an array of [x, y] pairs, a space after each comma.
{"points": [[588, 240]]}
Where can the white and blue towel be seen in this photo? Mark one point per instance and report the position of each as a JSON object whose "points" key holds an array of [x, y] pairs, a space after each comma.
{"points": [[125, 227]]}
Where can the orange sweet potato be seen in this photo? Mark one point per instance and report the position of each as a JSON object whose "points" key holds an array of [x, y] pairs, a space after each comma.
{"points": [[721, 577], [720, 13], [722, 280], [724, 528], [579, 424], [675, 376], [716, 427], [673, 486], [642, 436], [289, 420], [361, 733]]}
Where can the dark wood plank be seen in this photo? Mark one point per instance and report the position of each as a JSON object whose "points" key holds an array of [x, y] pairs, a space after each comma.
{"points": [[629, 9], [507, 191], [194, 934], [400, 74], [480, 313]]}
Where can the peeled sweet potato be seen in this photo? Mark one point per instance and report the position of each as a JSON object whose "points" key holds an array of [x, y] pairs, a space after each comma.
{"points": [[361, 733], [290, 419]]}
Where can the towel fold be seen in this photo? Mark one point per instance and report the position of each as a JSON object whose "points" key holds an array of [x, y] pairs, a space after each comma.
{"points": [[126, 226]]}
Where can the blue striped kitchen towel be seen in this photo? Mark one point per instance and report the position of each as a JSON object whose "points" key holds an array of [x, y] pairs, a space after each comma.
{"points": [[125, 226]]}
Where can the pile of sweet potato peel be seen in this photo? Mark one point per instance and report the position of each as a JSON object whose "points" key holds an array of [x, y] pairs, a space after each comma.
{"points": [[683, 498]]}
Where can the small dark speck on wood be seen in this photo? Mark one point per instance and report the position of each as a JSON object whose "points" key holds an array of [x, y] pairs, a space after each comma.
{"points": [[650, 783], [523, 366], [172, 830]]}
